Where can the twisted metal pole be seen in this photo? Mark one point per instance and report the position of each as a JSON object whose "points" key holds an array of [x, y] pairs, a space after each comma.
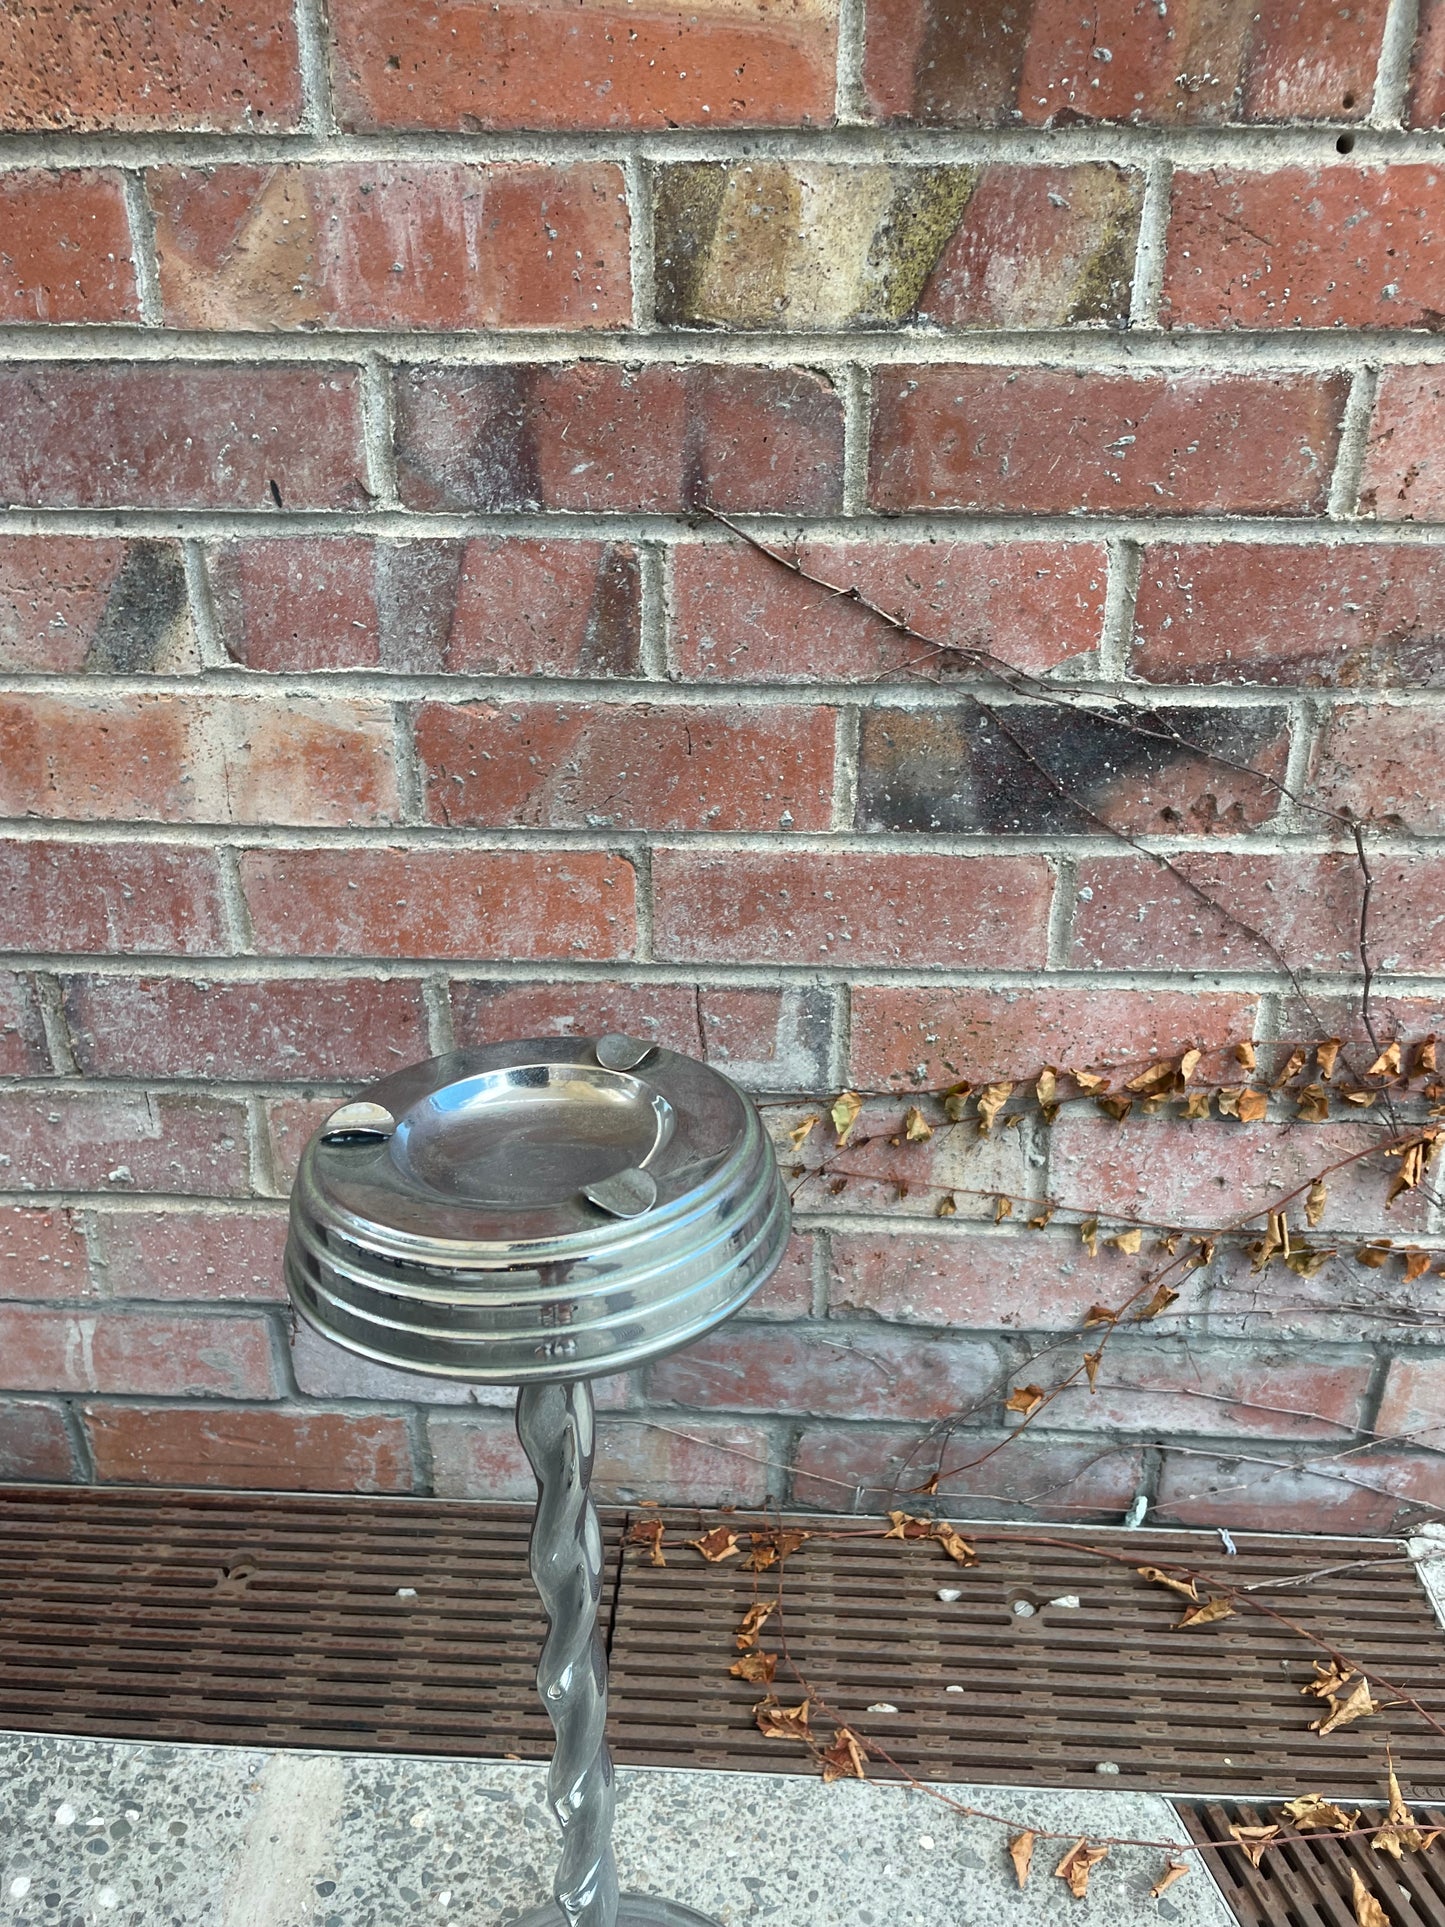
{"points": [[557, 1425]]}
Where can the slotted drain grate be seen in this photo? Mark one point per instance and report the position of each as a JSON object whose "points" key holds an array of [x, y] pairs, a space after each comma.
{"points": [[1045, 1698], [288, 1621], [1307, 1883]]}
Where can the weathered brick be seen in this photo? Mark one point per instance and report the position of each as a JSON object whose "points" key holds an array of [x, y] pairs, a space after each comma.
{"points": [[738, 617], [789, 1292], [100, 1140], [1210, 1173], [1426, 106], [437, 903], [991, 1475], [976, 1282], [1407, 1019], [1037, 769], [1306, 247], [596, 435], [23, 1050], [277, 1029], [1131, 913], [701, 1462], [68, 603], [469, 67], [989, 62], [1289, 614], [797, 244], [870, 1373], [42, 1254], [132, 898], [324, 1370], [880, 1167], [906, 1037], [34, 1443], [178, 759], [290, 1122], [1404, 473], [777, 906], [1038, 440], [1362, 1493], [173, 434], [766, 1039], [209, 1256], [1166, 1387], [224, 65], [638, 766], [1412, 1407], [1380, 762], [288, 1450], [66, 256], [491, 605], [48, 1350], [393, 245]]}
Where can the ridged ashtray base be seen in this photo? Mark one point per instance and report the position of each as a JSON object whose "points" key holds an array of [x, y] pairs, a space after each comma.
{"points": [[634, 1910]]}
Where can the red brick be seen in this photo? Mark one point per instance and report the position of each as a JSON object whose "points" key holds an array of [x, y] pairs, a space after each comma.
{"points": [[68, 603], [776, 1039], [227, 65], [1325, 1494], [1408, 1019], [1305, 247], [1412, 1407], [1379, 762], [991, 1475], [600, 436], [738, 617], [1242, 1303], [491, 605], [290, 1122], [931, 1037], [1037, 440], [1404, 473], [976, 1282], [66, 256], [109, 897], [209, 1256], [23, 1050], [175, 759], [789, 1292], [1039, 247], [271, 1450], [610, 766], [166, 435], [774, 907], [48, 1350], [967, 766], [1166, 1171], [1288, 614], [82, 1140], [393, 245], [1133, 914], [441, 903], [950, 62], [277, 1029], [34, 1443], [683, 1461], [871, 1373], [42, 1254], [1427, 77], [469, 67], [1169, 1387]]}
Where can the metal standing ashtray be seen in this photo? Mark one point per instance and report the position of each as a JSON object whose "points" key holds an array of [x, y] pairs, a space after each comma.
{"points": [[538, 1213]]}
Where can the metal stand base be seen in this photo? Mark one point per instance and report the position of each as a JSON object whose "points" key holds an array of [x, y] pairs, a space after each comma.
{"points": [[634, 1910]]}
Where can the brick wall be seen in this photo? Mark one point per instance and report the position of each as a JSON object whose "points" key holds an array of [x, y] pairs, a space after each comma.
{"points": [[373, 681]]}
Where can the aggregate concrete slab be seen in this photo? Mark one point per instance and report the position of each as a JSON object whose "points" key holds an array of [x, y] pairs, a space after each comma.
{"points": [[117, 1833]]}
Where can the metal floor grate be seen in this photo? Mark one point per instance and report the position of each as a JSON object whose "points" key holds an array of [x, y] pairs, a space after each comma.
{"points": [[1046, 1698], [1307, 1883], [279, 1620]]}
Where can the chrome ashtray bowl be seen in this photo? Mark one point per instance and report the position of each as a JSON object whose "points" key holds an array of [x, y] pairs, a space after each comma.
{"points": [[546, 1208]]}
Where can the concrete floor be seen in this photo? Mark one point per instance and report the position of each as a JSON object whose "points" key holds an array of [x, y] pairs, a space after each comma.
{"points": [[111, 1833]]}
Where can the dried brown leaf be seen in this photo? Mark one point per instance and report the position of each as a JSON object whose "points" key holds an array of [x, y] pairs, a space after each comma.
{"points": [[1291, 1067], [1151, 1079], [1189, 1064], [1089, 1236], [1254, 1840], [1205, 1614], [991, 1100], [1021, 1852], [753, 1621], [1090, 1082], [800, 1132], [1116, 1107], [1127, 1241], [1253, 1105], [955, 1102], [716, 1545], [1314, 1810], [1173, 1870], [1318, 1198], [1368, 1911], [1425, 1058], [1417, 1263], [648, 1533], [777, 1722], [1196, 1104], [1244, 1054], [1376, 1255], [1163, 1298], [1041, 1218], [843, 1760], [1305, 1260], [1387, 1064], [1326, 1055], [947, 1206], [1046, 1090], [916, 1127], [769, 1546], [1002, 1208], [844, 1112], [1328, 1679], [760, 1668], [1100, 1315], [1313, 1103], [1186, 1588], [906, 1526], [1024, 1399], [1345, 1708], [954, 1544], [1077, 1864], [1092, 1361]]}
